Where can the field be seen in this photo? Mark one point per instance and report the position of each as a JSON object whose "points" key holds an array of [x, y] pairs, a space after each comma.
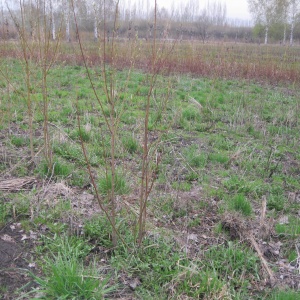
{"points": [[220, 125]]}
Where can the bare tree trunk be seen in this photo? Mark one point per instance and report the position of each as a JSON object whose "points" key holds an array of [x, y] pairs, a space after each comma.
{"points": [[95, 22], [266, 35], [292, 33], [52, 22], [67, 18]]}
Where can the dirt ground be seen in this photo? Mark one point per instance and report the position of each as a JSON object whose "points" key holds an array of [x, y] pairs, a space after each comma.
{"points": [[16, 261]]}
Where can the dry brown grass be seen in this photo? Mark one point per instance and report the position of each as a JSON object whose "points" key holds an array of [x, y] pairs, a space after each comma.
{"points": [[272, 64]]}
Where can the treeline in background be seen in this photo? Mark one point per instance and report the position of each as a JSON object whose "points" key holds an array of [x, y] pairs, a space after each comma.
{"points": [[274, 21]]}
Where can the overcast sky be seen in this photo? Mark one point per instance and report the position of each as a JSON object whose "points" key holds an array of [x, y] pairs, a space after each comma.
{"points": [[236, 9]]}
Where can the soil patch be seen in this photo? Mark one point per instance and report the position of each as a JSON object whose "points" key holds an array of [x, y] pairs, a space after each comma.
{"points": [[15, 262]]}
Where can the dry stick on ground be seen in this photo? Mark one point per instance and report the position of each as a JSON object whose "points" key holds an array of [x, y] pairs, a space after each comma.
{"points": [[196, 103], [262, 259], [263, 211], [20, 162], [239, 229], [297, 246], [263, 232], [16, 184]]}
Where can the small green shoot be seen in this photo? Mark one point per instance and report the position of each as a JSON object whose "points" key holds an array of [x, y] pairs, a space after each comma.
{"points": [[120, 185], [240, 203]]}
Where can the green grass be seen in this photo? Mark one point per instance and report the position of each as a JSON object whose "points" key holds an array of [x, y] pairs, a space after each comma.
{"points": [[68, 151], [182, 186], [242, 145], [292, 228], [197, 284], [244, 185], [292, 256], [285, 295], [194, 157], [276, 202], [155, 265], [66, 276], [99, 229], [218, 158], [60, 169], [190, 114], [120, 185], [130, 144], [235, 263], [19, 141], [4, 213], [240, 203], [81, 134]]}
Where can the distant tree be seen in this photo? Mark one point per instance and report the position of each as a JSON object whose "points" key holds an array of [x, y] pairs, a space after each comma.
{"points": [[67, 13], [264, 12], [96, 12], [294, 16], [217, 12], [163, 13], [284, 6], [258, 31], [279, 25], [52, 20], [276, 31], [288, 15], [189, 10], [213, 14], [203, 24]]}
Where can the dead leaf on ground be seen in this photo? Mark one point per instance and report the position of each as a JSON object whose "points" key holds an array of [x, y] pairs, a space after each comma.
{"points": [[7, 238]]}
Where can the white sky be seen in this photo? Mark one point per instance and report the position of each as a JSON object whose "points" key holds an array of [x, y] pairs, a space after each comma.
{"points": [[236, 9]]}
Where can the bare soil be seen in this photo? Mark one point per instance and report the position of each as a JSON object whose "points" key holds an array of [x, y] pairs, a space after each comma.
{"points": [[16, 261]]}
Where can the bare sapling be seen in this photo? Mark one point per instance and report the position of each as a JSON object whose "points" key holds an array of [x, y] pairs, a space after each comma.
{"points": [[39, 53], [47, 55], [4, 70], [26, 45], [151, 156], [110, 49], [109, 88], [111, 121]]}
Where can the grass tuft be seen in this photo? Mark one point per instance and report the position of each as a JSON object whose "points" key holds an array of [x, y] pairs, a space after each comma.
{"points": [[130, 144], [19, 141], [66, 277], [59, 169], [241, 204], [120, 185], [285, 295]]}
